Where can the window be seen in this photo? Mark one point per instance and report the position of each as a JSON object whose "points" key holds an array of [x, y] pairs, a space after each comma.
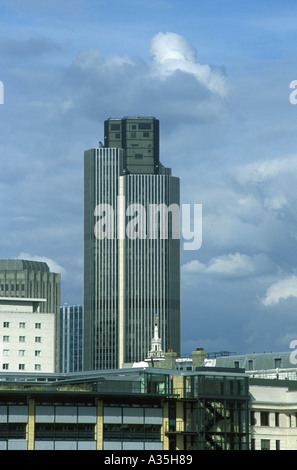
{"points": [[277, 444], [265, 444], [264, 418], [5, 339], [5, 366], [6, 324], [5, 352], [144, 125], [21, 352], [251, 365], [276, 419], [37, 367], [139, 155], [22, 324], [115, 127], [22, 339], [38, 325], [37, 353], [21, 366], [236, 364], [37, 339], [277, 363]]}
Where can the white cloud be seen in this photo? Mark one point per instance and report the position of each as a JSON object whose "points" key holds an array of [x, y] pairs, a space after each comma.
{"points": [[264, 170], [282, 289], [236, 264], [93, 58], [171, 52], [275, 203]]}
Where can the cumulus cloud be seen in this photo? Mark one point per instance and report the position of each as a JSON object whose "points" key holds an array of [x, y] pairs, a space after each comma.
{"points": [[171, 52], [233, 264], [283, 289], [264, 170]]}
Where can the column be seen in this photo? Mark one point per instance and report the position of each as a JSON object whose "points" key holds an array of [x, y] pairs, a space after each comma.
{"points": [[99, 425], [30, 428]]}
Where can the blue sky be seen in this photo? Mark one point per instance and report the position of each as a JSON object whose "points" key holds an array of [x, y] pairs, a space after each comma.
{"points": [[216, 74]]}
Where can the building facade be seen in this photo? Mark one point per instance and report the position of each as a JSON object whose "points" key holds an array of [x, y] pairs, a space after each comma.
{"points": [[135, 409], [33, 279], [71, 331], [273, 414], [27, 336], [273, 365], [131, 265]]}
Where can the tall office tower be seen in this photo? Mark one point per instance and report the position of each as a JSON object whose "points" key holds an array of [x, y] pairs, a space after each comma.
{"points": [[33, 279], [131, 247]]}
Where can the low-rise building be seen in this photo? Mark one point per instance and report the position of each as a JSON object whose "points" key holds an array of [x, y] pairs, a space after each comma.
{"points": [[273, 406], [273, 365], [131, 409]]}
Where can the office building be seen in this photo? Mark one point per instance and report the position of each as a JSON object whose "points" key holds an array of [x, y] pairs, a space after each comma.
{"points": [[273, 414], [131, 270], [33, 279], [132, 409], [71, 338], [27, 336]]}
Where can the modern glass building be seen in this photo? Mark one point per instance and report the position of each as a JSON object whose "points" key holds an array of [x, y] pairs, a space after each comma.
{"points": [[128, 409], [131, 246], [71, 331]]}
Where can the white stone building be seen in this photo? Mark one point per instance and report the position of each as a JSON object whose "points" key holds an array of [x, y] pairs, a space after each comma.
{"points": [[273, 405], [27, 337]]}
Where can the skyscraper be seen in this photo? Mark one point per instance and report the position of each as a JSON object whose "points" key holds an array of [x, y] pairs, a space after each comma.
{"points": [[132, 267]]}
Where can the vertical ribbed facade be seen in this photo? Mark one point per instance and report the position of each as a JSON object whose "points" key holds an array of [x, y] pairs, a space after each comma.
{"points": [[152, 272], [71, 331], [130, 277], [102, 168]]}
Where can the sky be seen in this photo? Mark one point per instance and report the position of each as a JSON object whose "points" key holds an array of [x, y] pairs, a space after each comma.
{"points": [[217, 75]]}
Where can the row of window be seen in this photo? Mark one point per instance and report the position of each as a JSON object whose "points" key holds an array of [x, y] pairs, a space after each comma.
{"points": [[22, 324], [37, 367], [22, 339], [11, 287], [141, 126], [133, 135], [265, 419], [278, 363], [266, 444], [22, 352]]}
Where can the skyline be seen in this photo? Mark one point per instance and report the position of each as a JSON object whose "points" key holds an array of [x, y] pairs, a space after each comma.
{"points": [[217, 76]]}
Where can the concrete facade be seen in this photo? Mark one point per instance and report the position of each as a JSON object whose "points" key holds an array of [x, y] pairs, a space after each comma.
{"points": [[27, 337], [273, 408], [33, 279]]}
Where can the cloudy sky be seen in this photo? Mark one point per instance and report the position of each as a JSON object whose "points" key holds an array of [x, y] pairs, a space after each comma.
{"points": [[217, 75]]}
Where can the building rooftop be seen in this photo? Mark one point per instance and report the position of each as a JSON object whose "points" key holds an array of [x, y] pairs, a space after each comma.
{"points": [[21, 265]]}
